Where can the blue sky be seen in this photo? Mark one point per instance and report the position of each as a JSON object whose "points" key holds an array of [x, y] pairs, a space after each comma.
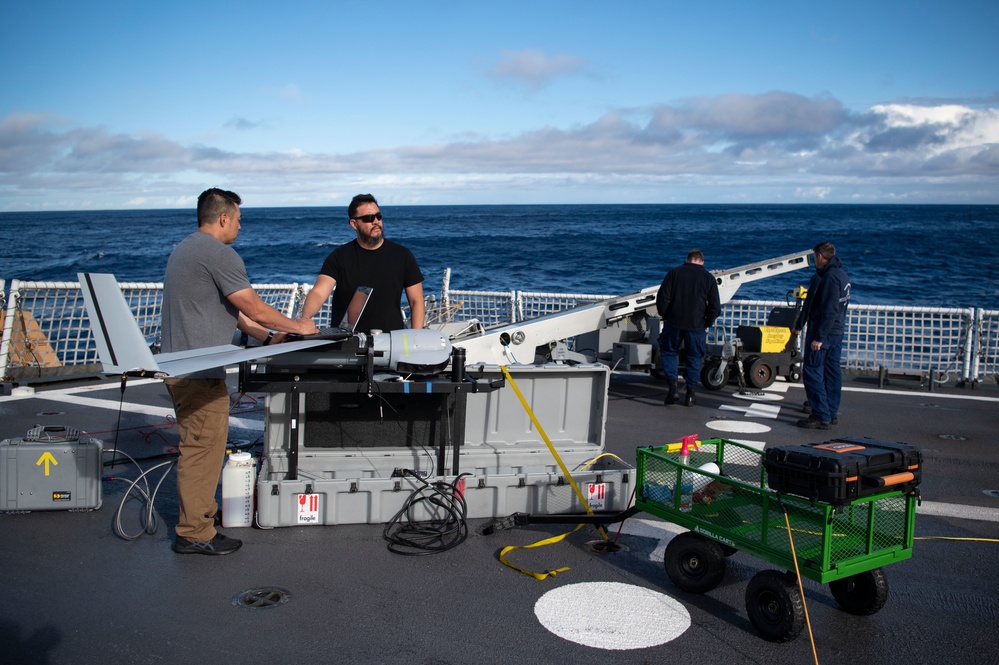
{"points": [[109, 105]]}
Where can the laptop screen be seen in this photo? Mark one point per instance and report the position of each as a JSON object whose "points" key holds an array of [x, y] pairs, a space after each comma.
{"points": [[355, 308]]}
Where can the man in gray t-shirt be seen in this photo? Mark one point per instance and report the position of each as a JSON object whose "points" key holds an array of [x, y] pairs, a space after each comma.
{"points": [[194, 316], [206, 296]]}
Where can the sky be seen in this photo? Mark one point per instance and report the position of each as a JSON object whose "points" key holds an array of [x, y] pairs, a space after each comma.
{"points": [[119, 105]]}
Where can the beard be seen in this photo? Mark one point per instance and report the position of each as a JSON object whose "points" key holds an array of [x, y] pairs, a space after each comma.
{"points": [[370, 239]]}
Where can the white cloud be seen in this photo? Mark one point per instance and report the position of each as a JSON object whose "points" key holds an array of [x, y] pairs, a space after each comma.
{"points": [[813, 193], [241, 124], [776, 145], [536, 69]]}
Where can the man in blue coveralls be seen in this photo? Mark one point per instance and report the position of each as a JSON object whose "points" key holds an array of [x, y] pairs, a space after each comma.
{"points": [[824, 313]]}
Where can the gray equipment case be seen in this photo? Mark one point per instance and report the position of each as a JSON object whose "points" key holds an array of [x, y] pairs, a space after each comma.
{"points": [[51, 468], [347, 469]]}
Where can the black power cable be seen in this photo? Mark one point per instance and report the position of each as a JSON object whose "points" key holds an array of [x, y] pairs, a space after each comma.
{"points": [[432, 520]]}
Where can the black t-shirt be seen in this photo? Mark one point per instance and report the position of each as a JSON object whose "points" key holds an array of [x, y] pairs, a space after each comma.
{"points": [[388, 270]]}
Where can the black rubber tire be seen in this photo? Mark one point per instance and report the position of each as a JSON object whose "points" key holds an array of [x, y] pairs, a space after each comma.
{"points": [[694, 562], [861, 594], [775, 606], [759, 373], [794, 376], [708, 374]]}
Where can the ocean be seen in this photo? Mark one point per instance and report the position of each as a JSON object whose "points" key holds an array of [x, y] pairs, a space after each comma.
{"points": [[921, 255]]}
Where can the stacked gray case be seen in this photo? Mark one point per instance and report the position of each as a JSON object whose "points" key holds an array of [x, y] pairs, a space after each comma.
{"points": [[347, 466]]}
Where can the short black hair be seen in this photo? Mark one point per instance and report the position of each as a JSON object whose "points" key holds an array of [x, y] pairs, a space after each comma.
{"points": [[695, 255], [357, 202], [213, 202]]}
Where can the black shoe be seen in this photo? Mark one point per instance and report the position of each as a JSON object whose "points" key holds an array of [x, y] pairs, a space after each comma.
{"points": [[217, 546], [806, 408], [834, 421], [813, 423], [672, 396], [689, 400]]}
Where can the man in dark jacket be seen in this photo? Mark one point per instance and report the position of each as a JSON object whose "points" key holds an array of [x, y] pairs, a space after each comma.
{"points": [[824, 313], [688, 303]]}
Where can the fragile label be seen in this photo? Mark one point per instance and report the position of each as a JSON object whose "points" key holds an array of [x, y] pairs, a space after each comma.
{"points": [[308, 508], [596, 495]]}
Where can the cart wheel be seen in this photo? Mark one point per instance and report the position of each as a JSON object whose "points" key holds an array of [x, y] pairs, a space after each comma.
{"points": [[794, 376], [712, 377], [694, 562], [861, 594], [775, 605], [759, 372]]}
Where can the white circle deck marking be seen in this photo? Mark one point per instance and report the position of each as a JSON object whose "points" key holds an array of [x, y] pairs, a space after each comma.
{"points": [[741, 426], [611, 615], [765, 397]]}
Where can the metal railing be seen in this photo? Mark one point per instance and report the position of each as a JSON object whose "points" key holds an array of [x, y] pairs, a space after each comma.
{"points": [[931, 341], [985, 352], [531, 304], [46, 331]]}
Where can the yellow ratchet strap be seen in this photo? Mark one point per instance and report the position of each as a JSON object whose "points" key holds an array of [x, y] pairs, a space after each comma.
{"points": [[565, 471], [541, 543]]}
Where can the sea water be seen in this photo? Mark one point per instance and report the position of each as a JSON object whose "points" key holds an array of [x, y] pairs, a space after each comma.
{"points": [[939, 256]]}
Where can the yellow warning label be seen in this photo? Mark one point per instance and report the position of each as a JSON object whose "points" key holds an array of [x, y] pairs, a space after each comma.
{"points": [[774, 339]]}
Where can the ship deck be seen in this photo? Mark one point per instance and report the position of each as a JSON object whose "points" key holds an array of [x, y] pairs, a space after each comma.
{"points": [[77, 594]]}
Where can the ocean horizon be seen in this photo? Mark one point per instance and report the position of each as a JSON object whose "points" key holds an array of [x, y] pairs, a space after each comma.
{"points": [[916, 255]]}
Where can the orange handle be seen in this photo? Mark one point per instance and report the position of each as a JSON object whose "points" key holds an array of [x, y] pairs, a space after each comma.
{"points": [[895, 479]]}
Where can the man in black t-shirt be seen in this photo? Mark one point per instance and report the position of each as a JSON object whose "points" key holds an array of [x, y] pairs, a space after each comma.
{"points": [[369, 260]]}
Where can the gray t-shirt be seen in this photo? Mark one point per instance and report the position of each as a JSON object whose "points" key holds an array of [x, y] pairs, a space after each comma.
{"points": [[200, 274]]}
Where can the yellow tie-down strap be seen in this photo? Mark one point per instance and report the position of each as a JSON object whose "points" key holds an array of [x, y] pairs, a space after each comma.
{"points": [[572, 482], [540, 543]]}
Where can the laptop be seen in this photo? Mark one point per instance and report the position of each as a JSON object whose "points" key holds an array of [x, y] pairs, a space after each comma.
{"points": [[355, 308], [348, 324]]}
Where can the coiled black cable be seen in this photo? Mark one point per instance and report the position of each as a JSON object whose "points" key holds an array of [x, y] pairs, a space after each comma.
{"points": [[432, 520]]}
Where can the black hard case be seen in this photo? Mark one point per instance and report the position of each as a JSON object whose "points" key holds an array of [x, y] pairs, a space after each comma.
{"points": [[842, 470]]}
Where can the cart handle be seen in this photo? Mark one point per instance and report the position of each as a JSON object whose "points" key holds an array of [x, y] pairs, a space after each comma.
{"points": [[894, 479]]}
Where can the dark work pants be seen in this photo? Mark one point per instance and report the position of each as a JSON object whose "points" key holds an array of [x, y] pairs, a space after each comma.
{"points": [[670, 340], [823, 377]]}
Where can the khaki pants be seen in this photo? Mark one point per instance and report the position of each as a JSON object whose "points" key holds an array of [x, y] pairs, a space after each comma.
{"points": [[202, 407]]}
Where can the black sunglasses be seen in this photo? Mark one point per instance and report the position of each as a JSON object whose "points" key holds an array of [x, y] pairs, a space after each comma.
{"points": [[367, 219]]}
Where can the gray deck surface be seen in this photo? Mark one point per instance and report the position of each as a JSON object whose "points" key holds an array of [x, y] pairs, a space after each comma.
{"points": [[76, 593]]}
